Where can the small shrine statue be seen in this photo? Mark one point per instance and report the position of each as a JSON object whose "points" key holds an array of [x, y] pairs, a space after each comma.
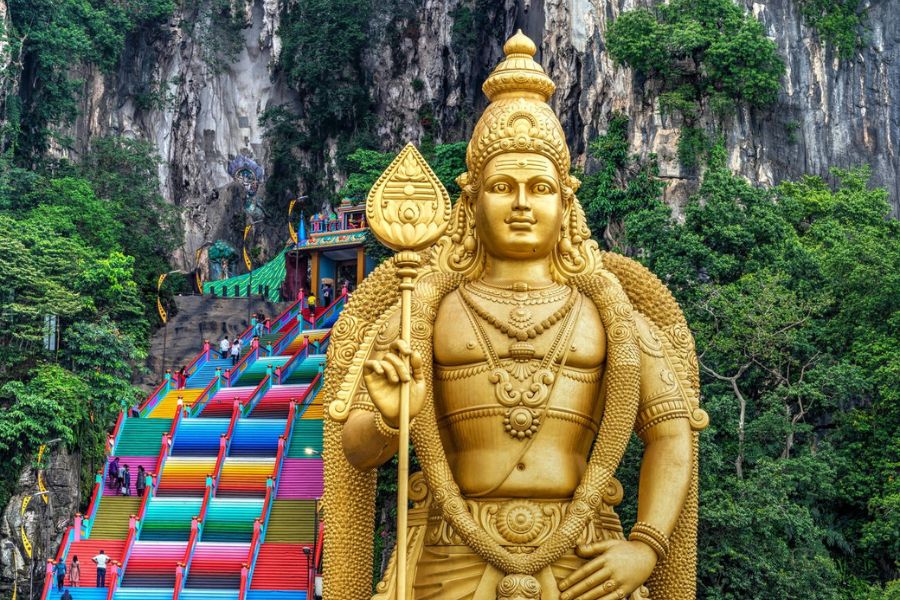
{"points": [[533, 357]]}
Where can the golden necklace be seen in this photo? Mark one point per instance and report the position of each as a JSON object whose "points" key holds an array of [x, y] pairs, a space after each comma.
{"points": [[518, 293], [521, 324]]}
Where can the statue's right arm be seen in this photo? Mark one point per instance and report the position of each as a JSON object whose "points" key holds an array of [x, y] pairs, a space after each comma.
{"points": [[365, 446], [371, 432]]}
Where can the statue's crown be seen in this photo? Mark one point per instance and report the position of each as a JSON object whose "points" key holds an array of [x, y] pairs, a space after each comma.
{"points": [[518, 74], [518, 119]]}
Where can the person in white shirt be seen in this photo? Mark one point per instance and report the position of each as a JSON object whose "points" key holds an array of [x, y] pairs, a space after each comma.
{"points": [[101, 560], [224, 347]]}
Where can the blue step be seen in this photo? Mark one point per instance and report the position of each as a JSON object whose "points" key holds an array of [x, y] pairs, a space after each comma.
{"points": [[84, 593], [208, 594], [202, 376], [137, 593], [275, 595]]}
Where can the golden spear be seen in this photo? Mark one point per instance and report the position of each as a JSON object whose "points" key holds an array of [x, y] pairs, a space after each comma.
{"points": [[408, 209]]}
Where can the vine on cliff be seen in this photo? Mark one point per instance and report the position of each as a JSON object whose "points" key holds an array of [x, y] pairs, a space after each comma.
{"points": [[707, 55]]}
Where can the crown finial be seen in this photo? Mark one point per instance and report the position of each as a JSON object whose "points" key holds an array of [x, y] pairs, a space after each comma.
{"points": [[520, 44], [518, 75]]}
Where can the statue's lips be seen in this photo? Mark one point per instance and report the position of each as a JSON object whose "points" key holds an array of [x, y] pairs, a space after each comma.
{"points": [[520, 223]]}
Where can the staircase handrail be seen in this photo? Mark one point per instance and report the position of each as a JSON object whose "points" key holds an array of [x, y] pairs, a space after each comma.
{"points": [[156, 395], [259, 391], [208, 392], [309, 395], [264, 522], [225, 442], [289, 313], [338, 302], [113, 439], [251, 559], [204, 506], [134, 528], [241, 365], [198, 361], [285, 338], [186, 559], [289, 365], [61, 554], [96, 493], [283, 448]]}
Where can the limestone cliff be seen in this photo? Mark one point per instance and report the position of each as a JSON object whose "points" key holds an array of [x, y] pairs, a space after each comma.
{"points": [[420, 61]]}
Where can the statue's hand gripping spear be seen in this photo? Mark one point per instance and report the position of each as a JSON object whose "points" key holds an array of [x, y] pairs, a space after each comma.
{"points": [[408, 209]]}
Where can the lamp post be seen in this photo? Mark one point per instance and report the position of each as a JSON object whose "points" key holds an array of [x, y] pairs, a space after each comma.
{"points": [[165, 318], [296, 239]]}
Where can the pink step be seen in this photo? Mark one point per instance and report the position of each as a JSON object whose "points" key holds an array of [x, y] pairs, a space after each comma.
{"points": [[301, 479], [222, 403], [275, 402]]}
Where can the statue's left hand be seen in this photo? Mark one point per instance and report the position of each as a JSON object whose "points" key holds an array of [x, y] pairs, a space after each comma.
{"points": [[616, 569]]}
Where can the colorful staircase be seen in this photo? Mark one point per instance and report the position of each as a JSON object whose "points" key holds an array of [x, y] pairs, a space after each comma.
{"points": [[234, 471]]}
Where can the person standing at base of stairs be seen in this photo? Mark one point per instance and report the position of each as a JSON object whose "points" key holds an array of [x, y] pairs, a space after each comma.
{"points": [[224, 347], [66, 595], [101, 560]]}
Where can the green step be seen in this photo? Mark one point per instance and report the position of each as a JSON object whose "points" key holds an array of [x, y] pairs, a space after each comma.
{"points": [[291, 521], [169, 519], [231, 520], [268, 338], [141, 437], [113, 514], [307, 434]]}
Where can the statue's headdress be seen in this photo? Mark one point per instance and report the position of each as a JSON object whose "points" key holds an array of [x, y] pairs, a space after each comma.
{"points": [[518, 119]]}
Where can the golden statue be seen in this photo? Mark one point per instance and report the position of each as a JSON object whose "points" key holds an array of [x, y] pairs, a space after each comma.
{"points": [[531, 357]]}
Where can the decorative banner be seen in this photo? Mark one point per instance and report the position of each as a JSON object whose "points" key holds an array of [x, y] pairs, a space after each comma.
{"points": [[247, 256], [290, 224], [40, 474], [197, 276], [26, 543], [159, 307]]}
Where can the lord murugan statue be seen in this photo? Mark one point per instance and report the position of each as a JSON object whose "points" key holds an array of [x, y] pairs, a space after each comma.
{"points": [[532, 358]]}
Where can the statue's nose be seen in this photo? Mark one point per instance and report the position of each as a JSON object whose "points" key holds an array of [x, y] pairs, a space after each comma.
{"points": [[521, 202]]}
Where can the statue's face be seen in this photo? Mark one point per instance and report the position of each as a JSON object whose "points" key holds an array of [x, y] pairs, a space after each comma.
{"points": [[519, 209]]}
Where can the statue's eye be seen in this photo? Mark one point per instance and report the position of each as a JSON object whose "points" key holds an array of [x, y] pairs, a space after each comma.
{"points": [[501, 188], [542, 188]]}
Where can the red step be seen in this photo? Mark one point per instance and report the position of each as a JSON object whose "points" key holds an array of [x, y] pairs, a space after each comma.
{"points": [[281, 567], [85, 550]]}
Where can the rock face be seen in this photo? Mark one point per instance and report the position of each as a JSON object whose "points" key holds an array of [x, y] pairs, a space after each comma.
{"points": [[200, 318], [424, 64], [43, 522]]}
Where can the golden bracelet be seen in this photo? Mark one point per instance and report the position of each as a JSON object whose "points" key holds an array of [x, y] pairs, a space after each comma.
{"points": [[383, 428], [653, 537]]}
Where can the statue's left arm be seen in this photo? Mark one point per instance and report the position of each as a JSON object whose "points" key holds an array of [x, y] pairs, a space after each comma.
{"points": [[618, 567]]}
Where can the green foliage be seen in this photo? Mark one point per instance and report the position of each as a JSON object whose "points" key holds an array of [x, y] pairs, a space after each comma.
{"points": [[800, 354], [53, 36], [621, 184], [838, 22], [706, 54], [217, 26], [322, 43], [84, 243]]}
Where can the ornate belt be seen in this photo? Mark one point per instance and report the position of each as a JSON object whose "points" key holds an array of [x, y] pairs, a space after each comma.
{"points": [[521, 525]]}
